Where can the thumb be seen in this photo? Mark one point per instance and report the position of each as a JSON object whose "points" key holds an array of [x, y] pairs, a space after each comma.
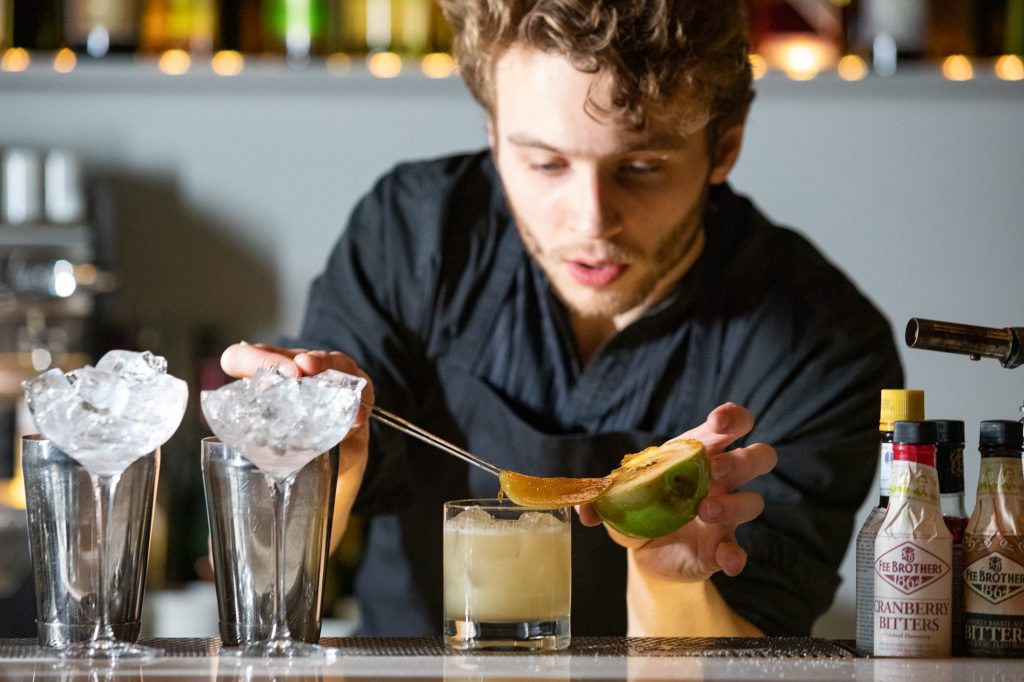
{"points": [[724, 425]]}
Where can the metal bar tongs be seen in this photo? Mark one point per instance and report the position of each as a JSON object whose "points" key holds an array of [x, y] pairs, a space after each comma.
{"points": [[396, 422]]}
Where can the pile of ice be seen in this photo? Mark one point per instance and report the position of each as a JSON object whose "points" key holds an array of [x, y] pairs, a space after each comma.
{"points": [[281, 423], [109, 415], [479, 522]]}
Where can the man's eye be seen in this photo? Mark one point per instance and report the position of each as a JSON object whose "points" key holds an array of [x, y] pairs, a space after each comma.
{"points": [[547, 166], [642, 168]]}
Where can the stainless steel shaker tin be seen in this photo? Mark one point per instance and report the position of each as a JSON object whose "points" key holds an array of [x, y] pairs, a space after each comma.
{"points": [[240, 510], [62, 541]]}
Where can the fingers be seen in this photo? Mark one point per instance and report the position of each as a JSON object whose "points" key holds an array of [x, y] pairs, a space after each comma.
{"points": [[730, 557], [732, 509], [243, 359], [736, 467], [316, 361], [588, 516], [725, 424]]}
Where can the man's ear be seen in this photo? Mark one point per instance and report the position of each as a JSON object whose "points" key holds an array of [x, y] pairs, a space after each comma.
{"points": [[727, 151]]}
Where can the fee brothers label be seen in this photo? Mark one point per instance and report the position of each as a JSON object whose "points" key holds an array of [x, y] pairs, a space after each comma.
{"points": [[909, 567], [913, 596], [994, 578]]}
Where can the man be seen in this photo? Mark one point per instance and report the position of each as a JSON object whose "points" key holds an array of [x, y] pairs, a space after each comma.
{"points": [[586, 288]]}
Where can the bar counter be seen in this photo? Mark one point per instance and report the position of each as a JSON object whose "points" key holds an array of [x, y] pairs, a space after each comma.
{"points": [[589, 658]]}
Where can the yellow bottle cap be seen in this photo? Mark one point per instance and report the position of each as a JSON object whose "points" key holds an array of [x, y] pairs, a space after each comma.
{"points": [[900, 404]]}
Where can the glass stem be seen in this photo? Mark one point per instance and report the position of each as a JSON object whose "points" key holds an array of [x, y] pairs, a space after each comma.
{"points": [[279, 627], [103, 487]]}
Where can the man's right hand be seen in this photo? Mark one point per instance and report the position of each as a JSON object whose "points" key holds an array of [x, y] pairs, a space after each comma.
{"points": [[241, 360]]}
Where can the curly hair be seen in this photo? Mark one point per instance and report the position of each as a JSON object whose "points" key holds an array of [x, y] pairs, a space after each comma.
{"points": [[685, 59]]}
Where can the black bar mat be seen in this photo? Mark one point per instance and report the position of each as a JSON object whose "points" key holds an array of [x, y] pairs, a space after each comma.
{"points": [[742, 647]]}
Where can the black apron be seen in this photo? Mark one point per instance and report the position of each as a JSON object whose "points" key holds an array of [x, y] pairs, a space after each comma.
{"points": [[400, 582]]}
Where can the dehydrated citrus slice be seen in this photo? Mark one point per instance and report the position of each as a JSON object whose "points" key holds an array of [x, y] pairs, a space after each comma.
{"points": [[656, 491], [534, 491]]}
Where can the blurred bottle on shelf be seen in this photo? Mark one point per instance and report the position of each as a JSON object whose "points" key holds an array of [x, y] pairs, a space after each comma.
{"points": [[294, 28], [102, 27], [1014, 34], [6, 24], [953, 28], [34, 25], [410, 32], [239, 26], [189, 25], [378, 25], [440, 31], [996, 27], [345, 28]]}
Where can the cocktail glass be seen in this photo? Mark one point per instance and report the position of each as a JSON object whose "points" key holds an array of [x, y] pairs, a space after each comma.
{"points": [[106, 417], [507, 576], [280, 424]]}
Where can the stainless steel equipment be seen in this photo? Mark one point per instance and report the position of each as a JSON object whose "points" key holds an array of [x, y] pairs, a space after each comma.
{"points": [[240, 509], [62, 535], [1005, 345], [54, 248]]}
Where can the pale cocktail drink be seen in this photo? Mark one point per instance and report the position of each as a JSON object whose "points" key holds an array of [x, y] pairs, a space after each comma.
{"points": [[507, 576]]}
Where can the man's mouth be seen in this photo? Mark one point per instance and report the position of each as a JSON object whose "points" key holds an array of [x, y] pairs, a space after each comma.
{"points": [[595, 274]]}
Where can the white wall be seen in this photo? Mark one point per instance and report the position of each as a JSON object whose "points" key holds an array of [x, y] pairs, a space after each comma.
{"points": [[229, 192]]}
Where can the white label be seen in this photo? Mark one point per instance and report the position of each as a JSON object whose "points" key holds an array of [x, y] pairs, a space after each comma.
{"points": [[866, 580], [884, 468], [913, 597]]}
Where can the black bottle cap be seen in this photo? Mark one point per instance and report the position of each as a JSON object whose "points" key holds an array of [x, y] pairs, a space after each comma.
{"points": [[949, 430], [915, 433], [1002, 433]]}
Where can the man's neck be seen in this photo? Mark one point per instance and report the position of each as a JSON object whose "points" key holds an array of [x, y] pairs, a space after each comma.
{"points": [[591, 333]]}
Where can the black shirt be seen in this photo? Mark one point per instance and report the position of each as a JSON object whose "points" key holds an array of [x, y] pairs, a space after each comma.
{"points": [[431, 290]]}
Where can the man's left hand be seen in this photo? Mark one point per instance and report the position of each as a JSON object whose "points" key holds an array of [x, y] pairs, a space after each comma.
{"points": [[707, 544]]}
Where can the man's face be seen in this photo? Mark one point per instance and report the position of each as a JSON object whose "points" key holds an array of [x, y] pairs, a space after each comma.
{"points": [[612, 215]]}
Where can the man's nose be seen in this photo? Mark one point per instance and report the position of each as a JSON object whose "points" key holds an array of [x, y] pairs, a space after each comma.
{"points": [[595, 213]]}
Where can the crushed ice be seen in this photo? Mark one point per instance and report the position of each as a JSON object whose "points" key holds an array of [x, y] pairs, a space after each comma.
{"points": [[279, 422], [109, 415]]}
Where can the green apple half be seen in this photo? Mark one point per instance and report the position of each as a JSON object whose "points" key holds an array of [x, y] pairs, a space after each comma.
{"points": [[656, 491]]}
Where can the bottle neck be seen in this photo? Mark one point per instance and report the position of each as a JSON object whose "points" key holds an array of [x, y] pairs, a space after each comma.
{"points": [[1001, 474], [990, 451], [913, 478], [912, 452]]}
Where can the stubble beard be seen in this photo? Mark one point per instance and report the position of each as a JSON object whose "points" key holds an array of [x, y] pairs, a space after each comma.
{"points": [[654, 267]]}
